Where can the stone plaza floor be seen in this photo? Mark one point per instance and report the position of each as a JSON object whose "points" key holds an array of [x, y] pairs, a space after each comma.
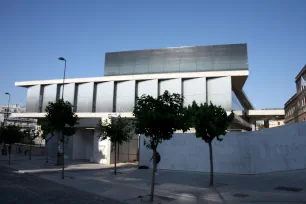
{"points": [[132, 185]]}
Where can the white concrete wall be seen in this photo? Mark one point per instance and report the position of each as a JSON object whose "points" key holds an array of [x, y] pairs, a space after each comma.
{"points": [[83, 144], [68, 147], [53, 145], [101, 149], [77, 145], [275, 149]]}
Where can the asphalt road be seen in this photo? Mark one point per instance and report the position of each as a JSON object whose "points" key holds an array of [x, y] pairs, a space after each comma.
{"points": [[24, 188]]}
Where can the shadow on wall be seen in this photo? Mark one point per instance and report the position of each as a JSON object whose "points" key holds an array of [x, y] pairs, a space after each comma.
{"points": [[101, 155], [277, 149]]}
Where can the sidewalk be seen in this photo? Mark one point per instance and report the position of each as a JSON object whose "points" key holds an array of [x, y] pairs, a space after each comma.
{"points": [[132, 185], [38, 164]]}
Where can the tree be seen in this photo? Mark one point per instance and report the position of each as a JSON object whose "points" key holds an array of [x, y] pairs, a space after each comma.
{"points": [[3, 150], [157, 119], [210, 122], [30, 135], [260, 126], [9, 135], [61, 118], [117, 130]]}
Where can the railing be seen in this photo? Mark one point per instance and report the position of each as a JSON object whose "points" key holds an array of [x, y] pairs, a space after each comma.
{"points": [[22, 126], [23, 149]]}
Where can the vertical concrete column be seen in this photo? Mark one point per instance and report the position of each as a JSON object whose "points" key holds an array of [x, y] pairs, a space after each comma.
{"points": [[253, 122], [254, 126], [266, 123]]}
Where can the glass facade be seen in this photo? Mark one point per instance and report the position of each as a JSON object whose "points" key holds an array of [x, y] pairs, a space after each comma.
{"points": [[180, 59], [236, 105]]}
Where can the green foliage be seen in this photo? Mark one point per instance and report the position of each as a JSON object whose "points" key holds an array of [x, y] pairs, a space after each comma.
{"points": [[260, 126], [59, 118], [1, 134], [209, 121], [30, 135], [11, 134], [46, 129], [158, 118], [118, 130]]}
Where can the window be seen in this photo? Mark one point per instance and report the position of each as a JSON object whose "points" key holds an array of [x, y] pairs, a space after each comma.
{"points": [[236, 105]]}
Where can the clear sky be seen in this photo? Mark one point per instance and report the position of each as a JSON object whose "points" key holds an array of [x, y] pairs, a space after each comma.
{"points": [[33, 34]]}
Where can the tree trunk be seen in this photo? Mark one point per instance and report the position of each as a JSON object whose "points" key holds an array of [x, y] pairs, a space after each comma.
{"points": [[46, 146], [58, 162], [9, 153], [63, 157], [153, 176], [115, 167], [211, 183], [30, 152]]}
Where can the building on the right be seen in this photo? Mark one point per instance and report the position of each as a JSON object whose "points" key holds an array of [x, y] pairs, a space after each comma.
{"points": [[276, 123], [295, 107]]}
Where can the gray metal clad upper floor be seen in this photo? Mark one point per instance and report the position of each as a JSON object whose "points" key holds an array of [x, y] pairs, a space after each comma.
{"points": [[179, 59], [120, 96]]}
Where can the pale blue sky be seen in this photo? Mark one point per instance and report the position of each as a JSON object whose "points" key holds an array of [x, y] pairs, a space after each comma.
{"points": [[34, 34]]}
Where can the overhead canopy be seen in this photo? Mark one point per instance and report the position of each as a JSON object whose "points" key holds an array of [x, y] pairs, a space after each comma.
{"points": [[266, 114]]}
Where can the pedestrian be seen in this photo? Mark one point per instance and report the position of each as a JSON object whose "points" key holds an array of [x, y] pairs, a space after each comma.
{"points": [[157, 160]]}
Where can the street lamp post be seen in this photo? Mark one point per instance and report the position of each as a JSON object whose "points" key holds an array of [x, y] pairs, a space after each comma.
{"points": [[63, 156], [63, 59], [3, 151], [8, 105]]}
